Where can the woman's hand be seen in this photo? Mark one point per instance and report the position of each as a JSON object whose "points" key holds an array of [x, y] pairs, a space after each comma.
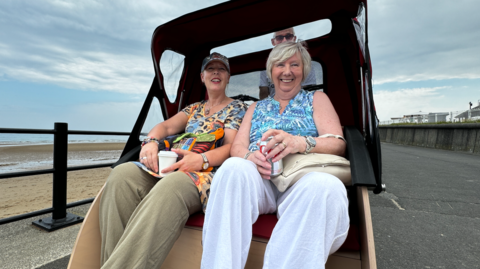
{"points": [[191, 162], [149, 156], [263, 165], [286, 144]]}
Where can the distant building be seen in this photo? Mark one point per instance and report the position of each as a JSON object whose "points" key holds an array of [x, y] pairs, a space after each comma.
{"points": [[473, 113], [415, 118], [437, 117]]}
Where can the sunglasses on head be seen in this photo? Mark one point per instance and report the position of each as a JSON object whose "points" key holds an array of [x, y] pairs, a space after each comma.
{"points": [[281, 37]]}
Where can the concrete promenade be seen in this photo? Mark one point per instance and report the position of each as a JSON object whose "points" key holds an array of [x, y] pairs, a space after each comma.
{"points": [[429, 217], [26, 246]]}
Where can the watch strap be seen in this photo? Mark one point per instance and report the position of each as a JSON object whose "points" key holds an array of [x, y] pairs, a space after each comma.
{"points": [[205, 160]]}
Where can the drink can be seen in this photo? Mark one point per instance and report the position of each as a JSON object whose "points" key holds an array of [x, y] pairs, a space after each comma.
{"points": [[277, 167]]}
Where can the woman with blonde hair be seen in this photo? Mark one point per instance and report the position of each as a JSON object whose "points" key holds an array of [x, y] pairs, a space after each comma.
{"points": [[313, 219]]}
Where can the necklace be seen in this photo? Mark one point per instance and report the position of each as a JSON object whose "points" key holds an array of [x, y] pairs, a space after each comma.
{"points": [[279, 106], [207, 110]]}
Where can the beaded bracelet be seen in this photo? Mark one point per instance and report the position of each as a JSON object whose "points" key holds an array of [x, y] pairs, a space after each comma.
{"points": [[150, 139]]}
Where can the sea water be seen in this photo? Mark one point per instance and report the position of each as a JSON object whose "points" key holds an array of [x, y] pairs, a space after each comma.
{"points": [[40, 139], [44, 160]]}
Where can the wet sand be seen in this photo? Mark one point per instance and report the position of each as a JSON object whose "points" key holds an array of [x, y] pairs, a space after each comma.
{"points": [[26, 194]]}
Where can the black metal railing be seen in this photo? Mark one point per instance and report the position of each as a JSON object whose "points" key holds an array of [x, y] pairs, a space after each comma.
{"points": [[60, 217]]}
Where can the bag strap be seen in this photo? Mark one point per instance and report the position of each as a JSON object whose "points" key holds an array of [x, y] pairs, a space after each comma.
{"points": [[332, 135]]}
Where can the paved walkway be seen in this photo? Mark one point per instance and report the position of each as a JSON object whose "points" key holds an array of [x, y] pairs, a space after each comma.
{"points": [[26, 246], [429, 217]]}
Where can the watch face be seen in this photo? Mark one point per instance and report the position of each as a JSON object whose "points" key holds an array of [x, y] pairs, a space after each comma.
{"points": [[311, 141], [205, 161]]}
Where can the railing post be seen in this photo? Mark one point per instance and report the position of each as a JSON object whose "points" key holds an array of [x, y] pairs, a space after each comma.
{"points": [[60, 218], [60, 155]]}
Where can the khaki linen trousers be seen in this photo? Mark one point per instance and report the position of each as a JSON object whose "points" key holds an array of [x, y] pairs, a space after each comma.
{"points": [[142, 217]]}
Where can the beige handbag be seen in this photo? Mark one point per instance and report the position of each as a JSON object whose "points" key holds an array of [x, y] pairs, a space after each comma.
{"points": [[297, 165]]}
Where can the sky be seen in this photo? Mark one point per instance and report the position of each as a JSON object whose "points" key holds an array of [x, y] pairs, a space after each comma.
{"points": [[88, 63]]}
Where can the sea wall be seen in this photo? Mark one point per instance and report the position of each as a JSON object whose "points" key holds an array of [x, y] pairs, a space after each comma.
{"points": [[458, 137]]}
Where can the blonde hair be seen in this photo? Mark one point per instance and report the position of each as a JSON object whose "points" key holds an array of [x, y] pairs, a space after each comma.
{"points": [[282, 52]]}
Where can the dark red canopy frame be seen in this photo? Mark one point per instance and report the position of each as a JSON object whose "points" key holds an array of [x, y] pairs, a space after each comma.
{"points": [[346, 71]]}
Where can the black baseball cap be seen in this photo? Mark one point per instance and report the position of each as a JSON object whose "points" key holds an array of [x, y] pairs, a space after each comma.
{"points": [[215, 57]]}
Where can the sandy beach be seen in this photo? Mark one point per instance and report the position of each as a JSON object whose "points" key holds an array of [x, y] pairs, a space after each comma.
{"points": [[26, 194]]}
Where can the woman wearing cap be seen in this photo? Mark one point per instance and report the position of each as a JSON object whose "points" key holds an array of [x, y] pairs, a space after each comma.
{"points": [[313, 219], [141, 217]]}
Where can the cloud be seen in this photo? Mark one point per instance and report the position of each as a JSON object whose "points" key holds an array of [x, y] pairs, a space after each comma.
{"points": [[120, 73], [420, 40], [303, 32], [105, 45], [89, 45], [408, 101]]}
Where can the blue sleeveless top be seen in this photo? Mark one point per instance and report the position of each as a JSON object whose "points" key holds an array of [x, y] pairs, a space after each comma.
{"points": [[296, 119]]}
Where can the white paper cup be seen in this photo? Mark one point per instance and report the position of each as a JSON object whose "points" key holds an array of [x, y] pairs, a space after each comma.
{"points": [[165, 159]]}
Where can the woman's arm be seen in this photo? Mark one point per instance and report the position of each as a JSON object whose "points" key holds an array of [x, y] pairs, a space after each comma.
{"points": [[217, 156], [327, 122], [193, 162], [242, 142], [174, 125]]}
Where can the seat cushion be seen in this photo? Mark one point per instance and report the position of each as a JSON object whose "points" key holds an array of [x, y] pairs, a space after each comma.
{"points": [[264, 227]]}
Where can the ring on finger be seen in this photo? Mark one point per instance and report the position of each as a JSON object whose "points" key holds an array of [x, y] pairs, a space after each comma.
{"points": [[143, 158], [284, 145]]}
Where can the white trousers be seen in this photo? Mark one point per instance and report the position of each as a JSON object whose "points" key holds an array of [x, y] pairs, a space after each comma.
{"points": [[313, 218]]}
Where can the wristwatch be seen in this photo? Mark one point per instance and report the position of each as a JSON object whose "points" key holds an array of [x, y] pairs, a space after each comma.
{"points": [[311, 143], [205, 164]]}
